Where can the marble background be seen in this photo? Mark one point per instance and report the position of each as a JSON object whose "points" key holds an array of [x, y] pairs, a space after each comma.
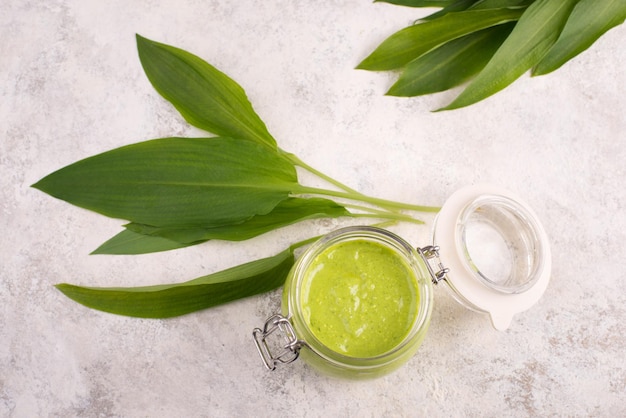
{"points": [[71, 86]]}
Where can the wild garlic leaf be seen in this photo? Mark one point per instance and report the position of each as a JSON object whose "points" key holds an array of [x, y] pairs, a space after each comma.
{"points": [[534, 34], [418, 3], [205, 97], [287, 212], [451, 64], [143, 239], [128, 242], [456, 6], [165, 301], [499, 4], [409, 43], [166, 182], [589, 20]]}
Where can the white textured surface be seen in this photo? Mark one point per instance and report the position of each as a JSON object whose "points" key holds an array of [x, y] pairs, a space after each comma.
{"points": [[71, 86]]}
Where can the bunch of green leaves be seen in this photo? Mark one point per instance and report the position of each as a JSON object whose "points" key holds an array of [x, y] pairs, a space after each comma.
{"points": [[488, 44], [177, 192]]}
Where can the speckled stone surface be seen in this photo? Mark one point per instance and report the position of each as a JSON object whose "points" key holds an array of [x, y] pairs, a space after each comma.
{"points": [[71, 86]]}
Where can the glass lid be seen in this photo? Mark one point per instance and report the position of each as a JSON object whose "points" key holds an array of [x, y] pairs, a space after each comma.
{"points": [[496, 251]]}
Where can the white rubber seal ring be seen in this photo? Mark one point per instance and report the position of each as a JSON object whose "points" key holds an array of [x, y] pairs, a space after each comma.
{"points": [[469, 283]]}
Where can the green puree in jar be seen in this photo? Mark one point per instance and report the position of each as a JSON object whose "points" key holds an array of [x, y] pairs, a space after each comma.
{"points": [[359, 298]]}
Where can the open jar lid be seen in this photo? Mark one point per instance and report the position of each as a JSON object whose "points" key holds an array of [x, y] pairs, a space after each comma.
{"points": [[496, 251]]}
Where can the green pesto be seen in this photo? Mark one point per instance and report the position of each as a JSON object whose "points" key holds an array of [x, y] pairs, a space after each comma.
{"points": [[359, 298]]}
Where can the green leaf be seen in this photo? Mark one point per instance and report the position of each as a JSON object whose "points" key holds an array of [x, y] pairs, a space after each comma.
{"points": [[456, 6], [450, 64], [285, 213], [409, 43], [166, 182], [143, 239], [499, 4], [206, 97], [589, 20], [534, 34], [164, 301], [128, 242], [418, 3]]}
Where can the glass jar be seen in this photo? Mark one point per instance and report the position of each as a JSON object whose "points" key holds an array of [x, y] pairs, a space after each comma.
{"points": [[358, 302]]}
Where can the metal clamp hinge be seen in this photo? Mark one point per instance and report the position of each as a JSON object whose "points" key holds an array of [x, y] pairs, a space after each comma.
{"points": [[428, 253], [287, 348]]}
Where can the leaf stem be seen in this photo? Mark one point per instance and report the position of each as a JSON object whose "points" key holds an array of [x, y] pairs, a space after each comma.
{"points": [[390, 216], [352, 194], [381, 214], [384, 203], [298, 162]]}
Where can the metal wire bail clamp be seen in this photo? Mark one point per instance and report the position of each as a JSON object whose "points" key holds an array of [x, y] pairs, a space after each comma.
{"points": [[428, 253], [288, 350]]}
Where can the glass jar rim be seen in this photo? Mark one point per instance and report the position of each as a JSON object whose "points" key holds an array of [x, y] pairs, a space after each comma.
{"points": [[390, 241], [519, 231]]}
